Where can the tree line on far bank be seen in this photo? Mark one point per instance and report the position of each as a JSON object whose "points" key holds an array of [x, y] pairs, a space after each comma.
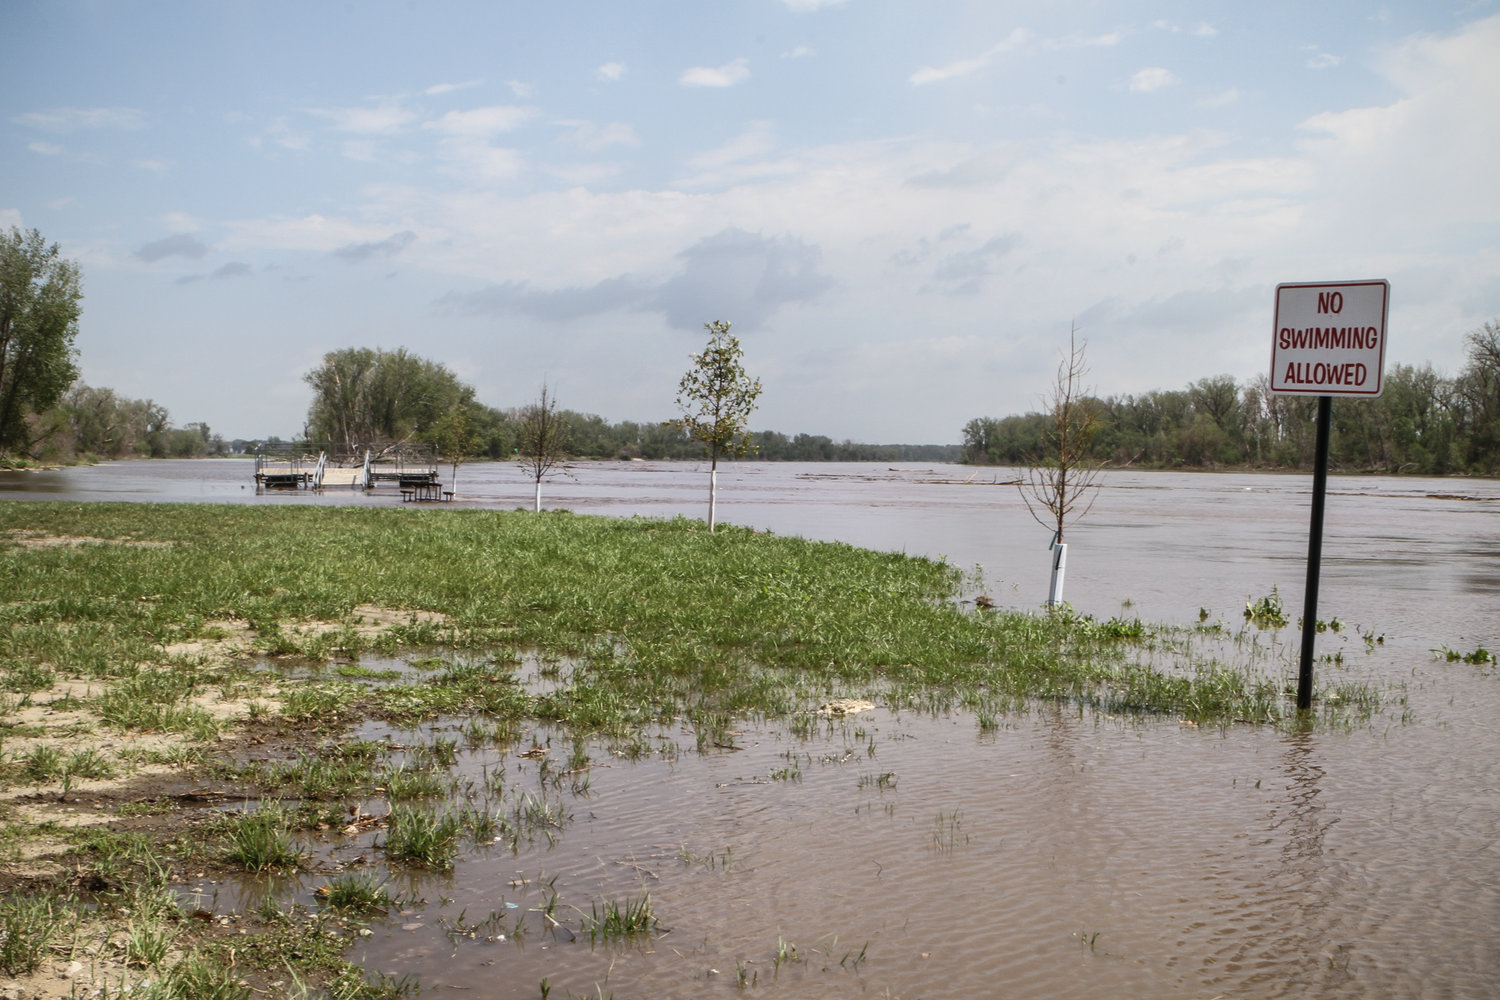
{"points": [[45, 412], [1422, 424], [373, 398], [362, 398]]}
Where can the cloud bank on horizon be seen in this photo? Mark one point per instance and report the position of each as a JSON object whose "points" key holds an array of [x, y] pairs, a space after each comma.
{"points": [[901, 210]]}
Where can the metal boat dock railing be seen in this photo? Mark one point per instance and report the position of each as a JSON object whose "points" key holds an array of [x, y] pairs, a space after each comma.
{"points": [[413, 470]]}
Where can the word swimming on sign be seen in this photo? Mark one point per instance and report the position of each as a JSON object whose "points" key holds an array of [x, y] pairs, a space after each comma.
{"points": [[1343, 338], [1329, 338]]}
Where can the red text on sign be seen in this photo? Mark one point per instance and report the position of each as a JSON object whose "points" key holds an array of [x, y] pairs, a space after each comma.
{"points": [[1302, 373], [1355, 338]]}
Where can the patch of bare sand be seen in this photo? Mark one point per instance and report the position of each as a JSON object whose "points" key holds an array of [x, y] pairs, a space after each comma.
{"points": [[224, 639], [28, 539], [370, 620], [90, 961], [62, 719]]}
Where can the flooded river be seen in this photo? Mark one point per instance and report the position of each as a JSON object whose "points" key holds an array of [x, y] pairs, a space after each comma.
{"points": [[1055, 854]]}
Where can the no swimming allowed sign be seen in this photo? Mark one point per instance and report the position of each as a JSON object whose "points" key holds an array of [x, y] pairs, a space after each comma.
{"points": [[1329, 338]]}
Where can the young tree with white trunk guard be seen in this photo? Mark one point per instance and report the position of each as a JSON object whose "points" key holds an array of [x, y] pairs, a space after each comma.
{"points": [[716, 398], [543, 440], [1060, 482]]}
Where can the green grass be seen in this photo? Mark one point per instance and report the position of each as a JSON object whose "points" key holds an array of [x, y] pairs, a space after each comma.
{"points": [[422, 838], [612, 920], [355, 892], [656, 618], [28, 926], [195, 978], [259, 841]]}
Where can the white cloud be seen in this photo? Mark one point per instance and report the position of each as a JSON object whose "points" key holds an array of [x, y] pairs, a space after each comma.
{"points": [[1205, 30], [44, 148], [153, 165], [465, 150], [381, 119], [360, 150], [1106, 40], [593, 138], [68, 119], [280, 133], [1219, 100], [309, 233], [448, 88], [1427, 159], [520, 88], [1323, 60], [734, 72], [479, 162], [756, 140], [963, 67], [610, 72], [478, 123], [745, 157], [799, 52], [1151, 79], [582, 174]]}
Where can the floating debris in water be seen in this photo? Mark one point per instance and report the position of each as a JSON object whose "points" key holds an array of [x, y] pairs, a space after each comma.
{"points": [[845, 706]]}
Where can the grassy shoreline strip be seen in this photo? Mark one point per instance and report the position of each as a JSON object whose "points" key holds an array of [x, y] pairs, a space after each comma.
{"points": [[660, 618]]}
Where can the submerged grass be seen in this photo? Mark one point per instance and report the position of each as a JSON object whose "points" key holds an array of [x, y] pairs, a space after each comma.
{"points": [[638, 628], [659, 618]]}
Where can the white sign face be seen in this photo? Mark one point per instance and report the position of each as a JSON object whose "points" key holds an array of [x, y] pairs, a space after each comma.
{"points": [[1330, 338]]}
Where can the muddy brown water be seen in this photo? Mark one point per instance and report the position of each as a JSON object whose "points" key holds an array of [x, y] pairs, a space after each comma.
{"points": [[1062, 854]]}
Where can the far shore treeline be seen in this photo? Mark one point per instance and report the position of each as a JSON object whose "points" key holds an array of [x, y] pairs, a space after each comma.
{"points": [[363, 398], [1422, 424]]}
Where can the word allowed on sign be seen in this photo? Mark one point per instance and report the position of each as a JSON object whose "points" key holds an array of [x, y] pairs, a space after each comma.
{"points": [[1330, 338]]}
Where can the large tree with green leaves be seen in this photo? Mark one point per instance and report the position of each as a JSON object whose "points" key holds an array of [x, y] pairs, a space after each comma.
{"points": [[716, 398], [380, 400], [39, 296]]}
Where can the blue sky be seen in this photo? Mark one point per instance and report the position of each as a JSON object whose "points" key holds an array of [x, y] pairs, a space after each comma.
{"points": [[900, 206]]}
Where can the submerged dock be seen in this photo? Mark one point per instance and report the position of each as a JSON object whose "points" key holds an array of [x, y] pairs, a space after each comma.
{"points": [[412, 471]]}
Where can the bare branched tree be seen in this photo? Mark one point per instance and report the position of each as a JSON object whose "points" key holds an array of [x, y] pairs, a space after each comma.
{"points": [[1060, 483], [542, 440]]}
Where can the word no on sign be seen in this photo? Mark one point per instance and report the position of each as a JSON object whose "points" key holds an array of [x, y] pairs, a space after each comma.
{"points": [[1330, 338]]}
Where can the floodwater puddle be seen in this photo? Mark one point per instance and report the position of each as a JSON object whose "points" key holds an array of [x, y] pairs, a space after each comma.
{"points": [[899, 854], [537, 674], [1045, 852]]}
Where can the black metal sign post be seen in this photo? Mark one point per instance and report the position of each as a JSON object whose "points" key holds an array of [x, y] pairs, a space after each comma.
{"points": [[1328, 340], [1314, 555]]}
